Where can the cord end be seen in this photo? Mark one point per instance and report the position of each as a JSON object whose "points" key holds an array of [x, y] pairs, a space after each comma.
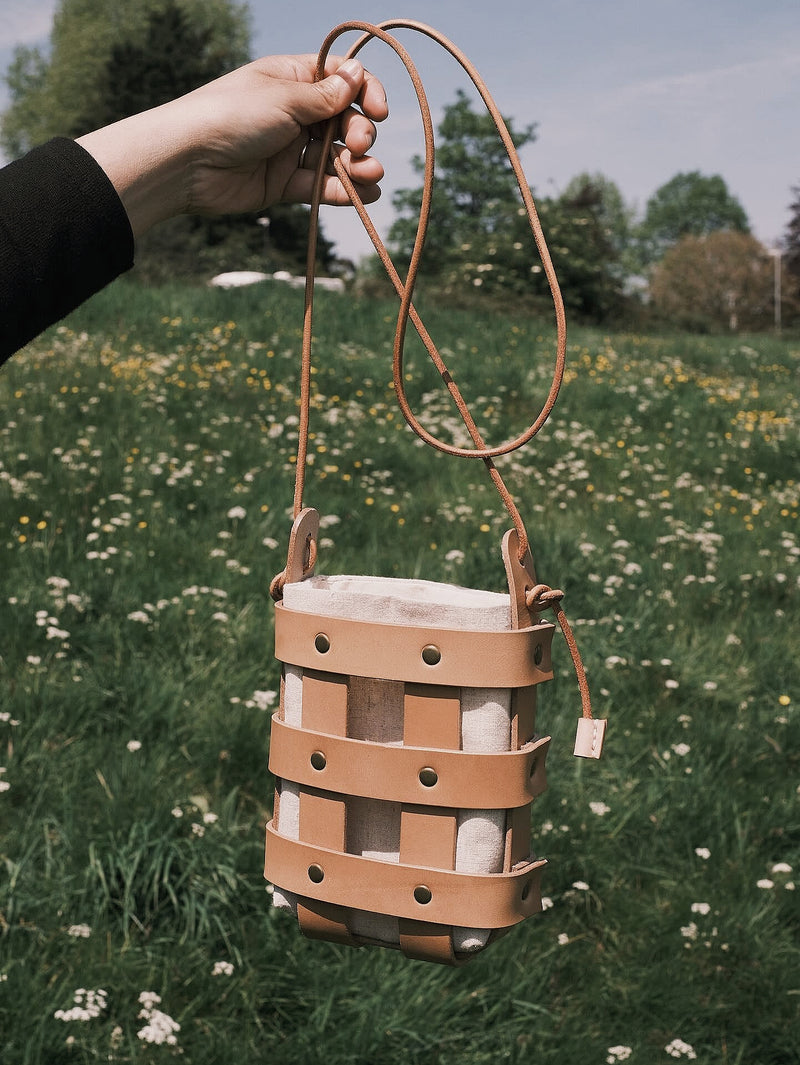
{"points": [[590, 736]]}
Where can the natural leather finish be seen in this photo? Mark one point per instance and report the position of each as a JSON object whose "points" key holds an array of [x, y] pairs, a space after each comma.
{"points": [[511, 659], [337, 785], [428, 837], [491, 900], [323, 815], [590, 736], [494, 781]]}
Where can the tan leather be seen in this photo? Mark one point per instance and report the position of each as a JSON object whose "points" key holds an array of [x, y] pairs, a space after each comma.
{"points": [[323, 815], [431, 715], [511, 659], [330, 771], [493, 900], [496, 781]]}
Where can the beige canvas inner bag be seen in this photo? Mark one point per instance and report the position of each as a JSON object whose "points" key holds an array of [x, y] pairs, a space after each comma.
{"points": [[405, 748]]}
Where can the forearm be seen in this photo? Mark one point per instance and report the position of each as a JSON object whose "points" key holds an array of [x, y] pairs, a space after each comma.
{"points": [[63, 236], [146, 158]]}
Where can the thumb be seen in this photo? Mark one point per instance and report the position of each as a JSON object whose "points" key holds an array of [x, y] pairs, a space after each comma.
{"points": [[333, 94]]}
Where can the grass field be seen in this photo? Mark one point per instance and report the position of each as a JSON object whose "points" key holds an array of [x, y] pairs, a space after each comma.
{"points": [[146, 470]]}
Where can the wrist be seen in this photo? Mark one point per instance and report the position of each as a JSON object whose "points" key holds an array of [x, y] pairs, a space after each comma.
{"points": [[148, 161]]}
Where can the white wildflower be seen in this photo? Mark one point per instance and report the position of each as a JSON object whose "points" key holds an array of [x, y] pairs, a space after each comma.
{"points": [[134, 746], [781, 867], [599, 808], [88, 1005], [79, 931], [765, 884], [236, 513], [222, 968], [581, 885], [703, 852], [618, 1053], [160, 1027], [140, 616], [702, 908], [678, 1049], [262, 700]]}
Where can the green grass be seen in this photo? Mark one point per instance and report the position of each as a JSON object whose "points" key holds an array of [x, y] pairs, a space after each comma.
{"points": [[662, 497]]}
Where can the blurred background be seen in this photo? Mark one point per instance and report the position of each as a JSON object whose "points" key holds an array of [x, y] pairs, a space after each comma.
{"points": [[643, 129]]}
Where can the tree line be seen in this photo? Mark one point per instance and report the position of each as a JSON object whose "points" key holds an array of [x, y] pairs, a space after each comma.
{"points": [[689, 260]]}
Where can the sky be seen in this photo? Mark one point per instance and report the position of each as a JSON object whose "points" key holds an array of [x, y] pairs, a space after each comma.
{"points": [[637, 90]]}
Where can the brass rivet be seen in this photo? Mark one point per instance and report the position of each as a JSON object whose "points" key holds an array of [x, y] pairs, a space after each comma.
{"points": [[316, 874], [526, 890], [422, 894], [538, 654], [318, 760], [431, 655], [428, 777], [322, 643]]}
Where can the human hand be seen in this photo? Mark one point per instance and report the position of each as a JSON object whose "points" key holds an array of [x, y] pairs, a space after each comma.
{"points": [[235, 145], [260, 132]]}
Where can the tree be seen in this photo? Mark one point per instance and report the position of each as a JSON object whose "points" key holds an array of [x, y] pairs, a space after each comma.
{"points": [[67, 92], [473, 188], [688, 204], [173, 56], [791, 254], [722, 281], [107, 64]]}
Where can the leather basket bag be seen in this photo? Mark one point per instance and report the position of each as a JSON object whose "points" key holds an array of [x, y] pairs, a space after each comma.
{"points": [[405, 748]]}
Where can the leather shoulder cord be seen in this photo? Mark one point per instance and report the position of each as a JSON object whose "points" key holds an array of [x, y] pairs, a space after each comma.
{"points": [[540, 596], [405, 289]]}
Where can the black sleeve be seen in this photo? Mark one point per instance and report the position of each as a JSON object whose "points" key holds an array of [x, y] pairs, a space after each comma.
{"points": [[64, 234]]}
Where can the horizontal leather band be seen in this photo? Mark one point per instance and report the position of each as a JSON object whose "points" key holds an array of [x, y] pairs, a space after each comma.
{"points": [[465, 781], [491, 900], [515, 658]]}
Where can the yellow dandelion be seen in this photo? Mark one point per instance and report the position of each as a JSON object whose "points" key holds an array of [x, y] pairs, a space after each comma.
{"points": [[784, 700]]}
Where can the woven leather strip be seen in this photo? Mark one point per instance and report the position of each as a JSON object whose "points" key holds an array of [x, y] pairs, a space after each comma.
{"points": [[428, 837], [495, 781], [510, 659], [491, 900], [323, 816]]}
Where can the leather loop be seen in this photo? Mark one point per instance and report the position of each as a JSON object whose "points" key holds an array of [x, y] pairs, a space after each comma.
{"points": [[490, 900], [513, 658], [497, 781]]}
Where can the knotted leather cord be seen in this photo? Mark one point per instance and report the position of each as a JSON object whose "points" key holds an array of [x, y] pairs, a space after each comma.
{"points": [[540, 597]]}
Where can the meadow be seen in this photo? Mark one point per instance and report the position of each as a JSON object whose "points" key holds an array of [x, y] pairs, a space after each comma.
{"points": [[146, 473]]}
